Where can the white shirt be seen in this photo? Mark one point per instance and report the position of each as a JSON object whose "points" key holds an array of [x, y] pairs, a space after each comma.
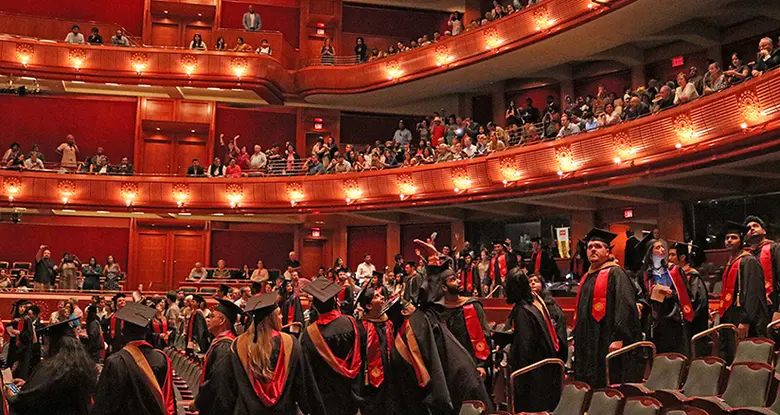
{"points": [[258, 161], [264, 50], [252, 18], [240, 302], [470, 150], [75, 38], [365, 270]]}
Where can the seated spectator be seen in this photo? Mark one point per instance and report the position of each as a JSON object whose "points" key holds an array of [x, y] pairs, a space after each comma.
{"points": [[99, 165], [609, 116], [11, 153], [443, 153], [233, 170], [124, 167], [636, 108], [198, 43], [220, 45], [5, 280], [260, 274], [216, 169], [313, 166], [469, 149], [717, 79], [686, 91], [455, 23], [221, 271], [264, 48], [241, 46], [74, 36], [402, 135], [530, 133], [737, 71], [198, 272], [568, 128], [16, 163], [119, 39], [768, 57], [33, 163], [94, 37], [663, 100], [590, 123], [195, 169], [328, 53], [36, 149], [252, 22], [92, 271], [361, 50], [339, 165]]}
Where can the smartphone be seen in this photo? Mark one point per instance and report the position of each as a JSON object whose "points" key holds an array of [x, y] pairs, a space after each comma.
{"points": [[13, 388]]}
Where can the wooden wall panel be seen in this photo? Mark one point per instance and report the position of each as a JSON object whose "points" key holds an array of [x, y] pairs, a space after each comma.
{"points": [[280, 17], [127, 13], [367, 240]]}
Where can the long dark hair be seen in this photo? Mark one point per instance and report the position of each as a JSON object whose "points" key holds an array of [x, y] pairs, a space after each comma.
{"points": [[67, 360], [647, 259], [517, 288]]}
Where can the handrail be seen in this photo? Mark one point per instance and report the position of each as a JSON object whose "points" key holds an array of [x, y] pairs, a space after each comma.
{"points": [[625, 349], [714, 330], [530, 368]]}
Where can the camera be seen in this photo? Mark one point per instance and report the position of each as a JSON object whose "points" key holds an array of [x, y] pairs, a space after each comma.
{"points": [[16, 217]]}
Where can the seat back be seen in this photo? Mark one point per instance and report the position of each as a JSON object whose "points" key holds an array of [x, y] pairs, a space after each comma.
{"points": [[748, 384], [188, 289], [642, 405], [667, 371], [574, 399], [757, 349], [704, 376], [687, 410], [776, 404], [208, 290], [22, 265], [606, 402], [472, 408]]}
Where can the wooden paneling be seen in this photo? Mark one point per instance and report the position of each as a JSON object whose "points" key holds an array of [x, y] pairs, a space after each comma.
{"points": [[185, 152], [50, 28], [313, 254], [363, 240], [165, 34], [277, 16], [187, 250], [157, 156], [127, 13], [151, 260], [195, 111], [158, 109]]}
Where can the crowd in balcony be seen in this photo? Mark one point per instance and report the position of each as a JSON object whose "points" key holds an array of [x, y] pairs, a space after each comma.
{"points": [[16, 159]]}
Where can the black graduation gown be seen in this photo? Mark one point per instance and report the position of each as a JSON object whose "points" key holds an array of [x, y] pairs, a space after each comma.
{"points": [[668, 330], [51, 390], [774, 251], [218, 353], [198, 331], [297, 310], [233, 394], [340, 394], [632, 257], [701, 308], [749, 305], [94, 340], [412, 287], [537, 391], [547, 268], [620, 323], [380, 400], [559, 320], [347, 300], [476, 282], [124, 390], [113, 334], [24, 348], [453, 317], [452, 374]]}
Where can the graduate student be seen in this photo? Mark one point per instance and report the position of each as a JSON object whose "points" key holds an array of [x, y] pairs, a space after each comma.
{"points": [[767, 252], [197, 331], [289, 304], [680, 254], [222, 328]]}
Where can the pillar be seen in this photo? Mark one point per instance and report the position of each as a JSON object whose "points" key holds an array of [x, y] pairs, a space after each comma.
{"points": [[466, 106], [393, 241], [670, 220], [567, 88], [716, 53], [498, 99], [457, 234], [638, 77]]}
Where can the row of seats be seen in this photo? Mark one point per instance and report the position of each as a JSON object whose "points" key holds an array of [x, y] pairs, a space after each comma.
{"points": [[186, 377]]}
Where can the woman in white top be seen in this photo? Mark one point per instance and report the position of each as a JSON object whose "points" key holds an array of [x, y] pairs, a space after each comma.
{"points": [[609, 116], [264, 48], [197, 42], [686, 91], [456, 23]]}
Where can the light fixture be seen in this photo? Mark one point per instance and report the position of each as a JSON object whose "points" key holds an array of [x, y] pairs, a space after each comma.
{"points": [[510, 170], [189, 63], [239, 66], [542, 18], [66, 189], [139, 61], [185, 214], [406, 187], [77, 57], [318, 123], [393, 69], [492, 39], [129, 191], [750, 107], [12, 187], [295, 192], [102, 212], [683, 126], [181, 193], [234, 193], [352, 190], [623, 148], [461, 179], [24, 53], [442, 53], [565, 158]]}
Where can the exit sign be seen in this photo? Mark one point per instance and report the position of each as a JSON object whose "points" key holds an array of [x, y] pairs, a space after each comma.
{"points": [[678, 61], [628, 213]]}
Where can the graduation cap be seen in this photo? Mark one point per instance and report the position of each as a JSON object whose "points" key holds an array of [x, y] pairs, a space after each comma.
{"points": [[322, 290], [502, 338], [378, 275], [498, 242], [136, 314], [198, 299], [602, 235], [35, 309], [116, 297], [59, 330], [259, 307], [229, 309], [756, 219], [641, 247], [735, 227]]}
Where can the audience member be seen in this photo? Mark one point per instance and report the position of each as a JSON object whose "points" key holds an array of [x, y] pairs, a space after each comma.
{"points": [[233, 170], [402, 135], [124, 167], [195, 169], [74, 36], [252, 22], [768, 57], [220, 272], [220, 45], [686, 91], [568, 128], [69, 152], [361, 50], [113, 273], [241, 46], [198, 43], [327, 52], [198, 272], [264, 48], [737, 71], [94, 37], [216, 169], [119, 39], [33, 163]]}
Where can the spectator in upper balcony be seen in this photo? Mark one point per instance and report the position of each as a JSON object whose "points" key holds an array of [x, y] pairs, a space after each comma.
{"points": [[100, 153], [340, 165], [198, 43], [252, 20], [686, 90], [99, 165], [717, 79], [221, 44], [69, 152], [636, 108], [221, 271], [94, 37], [663, 100], [609, 116], [402, 135], [11, 153], [510, 9], [361, 50], [241, 46], [258, 160], [74, 36], [529, 113], [469, 149], [123, 168], [328, 53], [768, 57], [233, 170], [696, 79], [119, 39], [737, 71], [243, 159], [313, 166], [33, 163], [195, 169], [498, 10], [568, 128], [217, 169], [455, 23], [264, 48], [590, 123], [231, 149]]}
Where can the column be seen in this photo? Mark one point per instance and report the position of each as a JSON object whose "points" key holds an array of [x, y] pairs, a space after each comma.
{"points": [[498, 99], [393, 241], [457, 234], [638, 77], [670, 220], [465, 105], [567, 88]]}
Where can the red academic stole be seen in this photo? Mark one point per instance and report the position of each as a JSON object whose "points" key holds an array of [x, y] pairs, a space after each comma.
{"points": [[161, 326], [19, 327], [599, 306], [112, 326], [730, 276], [537, 262], [291, 311], [542, 307], [476, 335], [411, 353], [342, 293], [467, 280], [163, 395], [499, 261], [376, 371], [226, 336], [268, 392], [765, 258], [340, 366], [682, 293]]}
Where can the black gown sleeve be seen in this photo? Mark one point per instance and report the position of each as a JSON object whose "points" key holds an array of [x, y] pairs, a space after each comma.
{"points": [[626, 323], [775, 251], [304, 388], [110, 376], [753, 295], [298, 310]]}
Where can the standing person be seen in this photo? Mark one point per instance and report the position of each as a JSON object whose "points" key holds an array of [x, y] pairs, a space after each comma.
{"points": [[74, 37], [64, 383], [115, 340], [113, 273], [743, 297], [18, 311], [222, 327], [197, 334], [346, 297], [92, 272], [327, 52], [606, 314], [69, 152], [172, 314], [251, 20], [333, 346], [266, 373], [534, 339], [542, 263], [412, 282], [365, 269], [361, 50], [68, 268], [768, 254], [26, 339], [94, 331], [680, 255], [669, 296], [500, 264], [45, 269], [556, 313], [161, 330], [290, 304], [137, 379], [632, 259]]}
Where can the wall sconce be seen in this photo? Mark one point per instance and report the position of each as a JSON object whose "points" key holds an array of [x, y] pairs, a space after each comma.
{"points": [[66, 189], [77, 57], [565, 158], [683, 126], [750, 107], [12, 186], [510, 170], [239, 66], [295, 192], [623, 149], [189, 63], [24, 53], [461, 179], [406, 186], [129, 191], [352, 190], [393, 69], [443, 55], [234, 193], [139, 62], [542, 18], [492, 40], [181, 192]]}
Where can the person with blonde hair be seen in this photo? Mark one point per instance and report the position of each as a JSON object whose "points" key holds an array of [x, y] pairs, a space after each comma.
{"points": [[266, 373]]}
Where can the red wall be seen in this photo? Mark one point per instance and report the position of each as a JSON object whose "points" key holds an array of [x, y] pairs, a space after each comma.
{"points": [[280, 18], [614, 82], [663, 71], [255, 127], [363, 240], [105, 122], [402, 24], [747, 48], [127, 13], [245, 247], [538, 95], [422, 231], [367, 128], [23, 239]]}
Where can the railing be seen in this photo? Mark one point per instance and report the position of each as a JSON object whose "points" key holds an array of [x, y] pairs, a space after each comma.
{"points": [[31, 24]]}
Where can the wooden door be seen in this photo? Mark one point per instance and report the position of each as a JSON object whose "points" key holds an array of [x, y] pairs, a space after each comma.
{"points": [[185, 152], [164, 34], [187, 250], [157, 155], [312, 257], [151, 261]]}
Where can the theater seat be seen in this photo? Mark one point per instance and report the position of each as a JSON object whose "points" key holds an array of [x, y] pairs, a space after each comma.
{"points": [[189, 290], [22, 265], [686, 410], [208, 290], [705, 377], [748, 387], [3, 264], [606, 402], [575, 398], [666, 373], [472, 408], [642, 405], [757, 349]]}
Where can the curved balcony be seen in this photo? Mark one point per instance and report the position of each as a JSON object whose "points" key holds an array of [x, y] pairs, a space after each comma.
{"points": [[734, 124]]}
